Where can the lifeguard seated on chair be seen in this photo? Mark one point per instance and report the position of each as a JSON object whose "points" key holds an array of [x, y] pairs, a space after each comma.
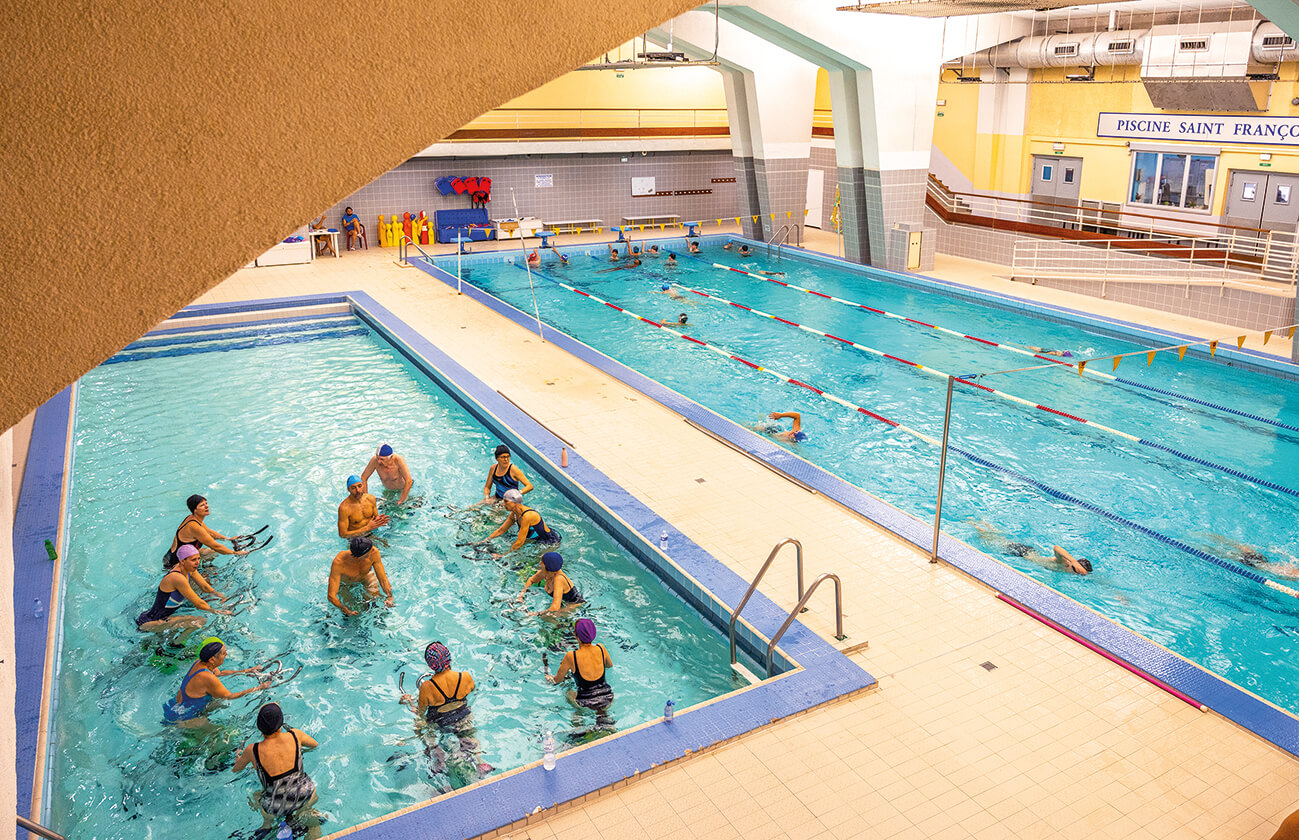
{"points": [[351, 227]]}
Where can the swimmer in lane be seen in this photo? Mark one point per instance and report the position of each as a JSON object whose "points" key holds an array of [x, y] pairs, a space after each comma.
{"points": [[392, 471], [772, 427], [671, 260], [613, 253], [359, 513], [632, 264], [202, 684], [744, 251], [359, 564], [287, 791], [503, 476], [173, 591], [1059, 557], [564, 594], [679, 322], [1046, 351], [193, 531], [1254, 558], [534, 259], [587, 664], [692, 246], [443, 704], [652, 251], [529, 522], [729, 246], [772, 273], [666, 289], [563, 258]]}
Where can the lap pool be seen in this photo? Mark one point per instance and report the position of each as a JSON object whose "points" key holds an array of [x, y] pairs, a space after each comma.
{"points": [[266, 418], [1184, 498]]}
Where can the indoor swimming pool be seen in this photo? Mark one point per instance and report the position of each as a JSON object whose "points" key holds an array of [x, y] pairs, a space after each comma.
{"points": [[267, 421], [1179, 487]]}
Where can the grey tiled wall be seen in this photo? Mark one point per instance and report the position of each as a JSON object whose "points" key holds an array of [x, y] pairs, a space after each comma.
{"points": [[854, 211], [974, 243], [747, 196], [596, 186], [782, 189]]}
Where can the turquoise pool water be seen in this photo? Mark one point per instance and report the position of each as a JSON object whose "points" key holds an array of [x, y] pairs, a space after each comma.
{"points": [[1225, 622], [268, 432]]}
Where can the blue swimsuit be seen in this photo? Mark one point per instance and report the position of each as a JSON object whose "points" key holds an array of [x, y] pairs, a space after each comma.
{"points": [[182, 706], [540, 532], [164, 604], [504, 482]]}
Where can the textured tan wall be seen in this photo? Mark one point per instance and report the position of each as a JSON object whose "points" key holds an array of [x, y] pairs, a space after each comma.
{"points": [[151, 149]]}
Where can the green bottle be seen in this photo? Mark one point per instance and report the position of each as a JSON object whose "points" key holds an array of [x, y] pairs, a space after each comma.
{"points": [[49, 549]]}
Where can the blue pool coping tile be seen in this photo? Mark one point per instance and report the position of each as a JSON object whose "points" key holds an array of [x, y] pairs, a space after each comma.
{"points": [[1210, 690], [810, 670]]}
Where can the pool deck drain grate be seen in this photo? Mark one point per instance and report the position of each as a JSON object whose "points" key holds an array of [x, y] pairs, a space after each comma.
{"points": [[987, 666]]}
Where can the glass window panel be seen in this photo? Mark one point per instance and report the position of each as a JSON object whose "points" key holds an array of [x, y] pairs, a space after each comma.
{"points": [[1046, 172], [1172, 179], [1068, 174], [1283, 194], [1248, 191], [1144, 167], [1199, 181]]}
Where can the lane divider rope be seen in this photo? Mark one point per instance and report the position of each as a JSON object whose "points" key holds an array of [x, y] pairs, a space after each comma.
{"points": [[1011, 348], [1226, 565], [932, 371]]}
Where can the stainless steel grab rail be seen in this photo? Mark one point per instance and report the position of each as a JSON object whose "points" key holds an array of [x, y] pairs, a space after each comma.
{"points": [[838, 614], [798, 554], [38, 829]]}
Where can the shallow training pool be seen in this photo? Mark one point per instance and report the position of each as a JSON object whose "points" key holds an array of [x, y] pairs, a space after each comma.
{"points": [[267, 422], [1168, 535]]}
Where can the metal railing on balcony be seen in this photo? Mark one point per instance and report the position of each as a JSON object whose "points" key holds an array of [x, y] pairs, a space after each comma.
{"points": [[523, 124]]}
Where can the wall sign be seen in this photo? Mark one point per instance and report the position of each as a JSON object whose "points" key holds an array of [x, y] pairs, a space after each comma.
{"points": [[543, 181], [642, 186], [1280, 131]]}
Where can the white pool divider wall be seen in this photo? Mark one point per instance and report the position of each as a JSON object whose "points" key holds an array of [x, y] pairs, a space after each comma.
{"points": [[8, 652]]}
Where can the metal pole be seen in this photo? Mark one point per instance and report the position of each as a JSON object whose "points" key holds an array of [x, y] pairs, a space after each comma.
{"points": [[536, 313], [37, 829], [460, 250], [942, 469]]}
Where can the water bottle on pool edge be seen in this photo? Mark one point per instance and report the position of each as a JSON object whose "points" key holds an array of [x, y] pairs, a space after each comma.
{"points": [[663, 541], [669, 710], [548, 751], [38, 609], [285, 833]]}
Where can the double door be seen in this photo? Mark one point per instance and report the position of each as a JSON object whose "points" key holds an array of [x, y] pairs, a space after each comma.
{"points": [[1055, 190]]}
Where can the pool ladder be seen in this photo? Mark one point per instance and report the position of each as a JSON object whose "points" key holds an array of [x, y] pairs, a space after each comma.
{"points": [[782, 235], [37, 829], [800, 607]]}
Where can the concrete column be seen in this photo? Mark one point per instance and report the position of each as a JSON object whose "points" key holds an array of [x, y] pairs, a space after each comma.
{"points": [[735, 82]]}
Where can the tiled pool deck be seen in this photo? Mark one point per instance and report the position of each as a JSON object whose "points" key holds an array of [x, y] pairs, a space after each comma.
{"points": [[1053, 742]]}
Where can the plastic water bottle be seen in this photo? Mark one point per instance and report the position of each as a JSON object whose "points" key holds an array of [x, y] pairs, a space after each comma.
{"points": [[38, 609], [669, 709], [285, 833], [663, 541], [548, 751]]}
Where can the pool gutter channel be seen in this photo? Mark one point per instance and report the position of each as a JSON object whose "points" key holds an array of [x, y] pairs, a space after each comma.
{"points": [[1244, 708], [815, 672]]}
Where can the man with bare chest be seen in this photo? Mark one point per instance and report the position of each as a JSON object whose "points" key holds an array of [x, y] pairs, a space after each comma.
{"points": [[392, 471], [358, 514], [361, 564]]}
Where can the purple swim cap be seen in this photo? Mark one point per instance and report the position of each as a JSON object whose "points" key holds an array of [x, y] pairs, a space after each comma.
{"points": [[437, 656], [552, 561], [584, 630], [185, 552]]}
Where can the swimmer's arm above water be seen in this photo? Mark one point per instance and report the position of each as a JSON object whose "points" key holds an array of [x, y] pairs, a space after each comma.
{"points": [[203, 585], [383, 580], [209, 538], [529, 583], [334, 580], [562, 671], [505, 526]]}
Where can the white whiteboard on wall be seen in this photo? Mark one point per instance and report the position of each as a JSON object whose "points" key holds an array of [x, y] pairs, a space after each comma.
{"points": [[642, 186]]}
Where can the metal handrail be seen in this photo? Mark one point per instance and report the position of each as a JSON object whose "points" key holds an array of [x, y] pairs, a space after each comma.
{"points": [[798, 549], [38, 829], [783, 235], [1196, 263], [838, 615], [403, 252]]}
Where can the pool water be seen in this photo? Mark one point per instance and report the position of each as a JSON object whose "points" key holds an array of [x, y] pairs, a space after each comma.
{"points": [[268, 429], [1029, 461]]}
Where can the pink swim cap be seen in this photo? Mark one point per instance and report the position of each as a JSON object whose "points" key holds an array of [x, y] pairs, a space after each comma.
{"points": [[185, 552]]}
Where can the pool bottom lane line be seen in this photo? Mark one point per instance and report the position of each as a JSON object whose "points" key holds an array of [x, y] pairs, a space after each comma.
{"points": [[1225, 565]]}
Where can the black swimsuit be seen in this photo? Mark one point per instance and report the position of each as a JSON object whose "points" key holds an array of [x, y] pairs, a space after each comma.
{"points": [[541, 532], [593, 694], [504, 482], [571, 595], [170, 559], [164, 605], [286, 792], [445, 717]]}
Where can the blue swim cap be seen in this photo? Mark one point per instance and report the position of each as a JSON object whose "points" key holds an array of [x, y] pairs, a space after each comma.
{"points": [[667, 286], [385, 451], [552, 561], [353, 479]]}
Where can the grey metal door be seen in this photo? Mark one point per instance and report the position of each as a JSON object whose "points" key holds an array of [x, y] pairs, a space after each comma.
{"points": [[1246, 193], [1281, 202], [1056, 181]]}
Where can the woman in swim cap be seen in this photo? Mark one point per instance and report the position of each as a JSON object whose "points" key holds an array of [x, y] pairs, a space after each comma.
{"points": [[529, 521], [193, 531], [173, 591], [443, 702], [202, 684], [287, 791], [503, 476], [587, 664], [564, 594]]}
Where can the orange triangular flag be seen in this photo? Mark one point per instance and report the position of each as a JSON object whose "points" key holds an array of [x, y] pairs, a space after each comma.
{"points": [[1213, 348], [1290, 334], [755, 218], [1117, 359], [1150, 357], [1240, 341], [789, 214], [1081, 365], [1181, 352], [1266, 335]]}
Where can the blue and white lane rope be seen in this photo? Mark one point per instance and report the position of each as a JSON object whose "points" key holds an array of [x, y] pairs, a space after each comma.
{"points": [[1271, 485], [1226, 565], [1011, 348]]}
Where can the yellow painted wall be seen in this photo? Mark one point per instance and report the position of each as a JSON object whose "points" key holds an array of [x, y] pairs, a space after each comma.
{"points": [[822, 100], [1066, 112]]}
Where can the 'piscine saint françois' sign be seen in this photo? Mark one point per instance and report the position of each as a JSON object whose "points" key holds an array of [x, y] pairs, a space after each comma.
{"points": [[1200, 128]]}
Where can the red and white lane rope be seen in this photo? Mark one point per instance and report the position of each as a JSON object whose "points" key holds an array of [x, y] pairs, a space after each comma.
{"points": [[916, 365], [1009, 347]]}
